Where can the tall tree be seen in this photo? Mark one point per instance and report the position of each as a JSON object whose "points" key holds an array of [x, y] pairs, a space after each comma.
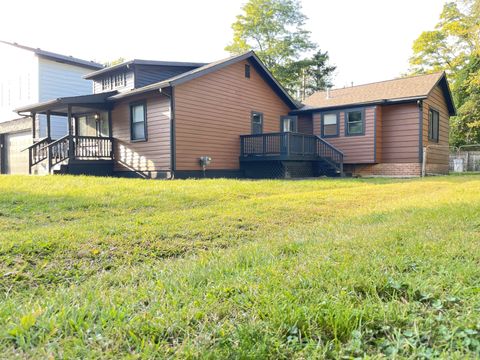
{"points": [[275, 30], [454, 46]]}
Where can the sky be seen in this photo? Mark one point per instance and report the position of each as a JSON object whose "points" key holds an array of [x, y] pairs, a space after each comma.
{"points": [[368, 40]]}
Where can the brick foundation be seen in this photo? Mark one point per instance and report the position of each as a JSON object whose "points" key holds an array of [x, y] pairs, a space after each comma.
{"points": [[385, 169]]}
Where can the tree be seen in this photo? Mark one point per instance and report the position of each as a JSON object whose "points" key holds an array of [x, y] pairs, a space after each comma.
{"points": [[274, 29], [114, 62], [454, 46], [310, 75], [319, 73]]}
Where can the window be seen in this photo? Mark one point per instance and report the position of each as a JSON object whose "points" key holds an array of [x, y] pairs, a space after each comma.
{"points": [[433, 125], [354, 122], [330, 125], [289, 124], [247, 71], [120, 80], [106, 83], [257, 122], [138, 121]]}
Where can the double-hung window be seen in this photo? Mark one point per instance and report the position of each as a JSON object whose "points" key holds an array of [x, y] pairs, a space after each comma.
{"points": [[138, 121], [330, 125], [354, 122]]}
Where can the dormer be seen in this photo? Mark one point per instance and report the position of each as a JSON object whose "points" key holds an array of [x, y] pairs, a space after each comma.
{"points": [[136, 73]]}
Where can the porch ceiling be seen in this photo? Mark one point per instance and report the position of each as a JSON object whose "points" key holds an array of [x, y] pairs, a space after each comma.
{"points": [[78, 105]]}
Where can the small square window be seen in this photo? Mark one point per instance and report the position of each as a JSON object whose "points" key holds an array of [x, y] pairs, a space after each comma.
{"points": [[247, 71]]}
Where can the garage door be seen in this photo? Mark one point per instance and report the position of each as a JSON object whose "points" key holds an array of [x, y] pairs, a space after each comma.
{"points": [[17, 160]]}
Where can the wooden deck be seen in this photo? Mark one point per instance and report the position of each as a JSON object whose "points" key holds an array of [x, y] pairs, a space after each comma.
{"points": [[289, 146]]}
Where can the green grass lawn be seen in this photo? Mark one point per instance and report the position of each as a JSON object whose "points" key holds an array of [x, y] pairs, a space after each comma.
{"points": [[110, 268]]}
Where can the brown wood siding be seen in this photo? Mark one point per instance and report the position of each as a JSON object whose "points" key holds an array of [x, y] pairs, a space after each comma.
{"points": [[437, 154], [150, 155], [400, 133], [305, 124], [212, 111], [357, 149]]}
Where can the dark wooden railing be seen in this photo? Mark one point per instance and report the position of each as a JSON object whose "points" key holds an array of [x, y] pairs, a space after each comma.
{"points": [[37, 152], [69, 147], [330, 153], [289, 145], [93, 147], [58, 151], [277, 144]]}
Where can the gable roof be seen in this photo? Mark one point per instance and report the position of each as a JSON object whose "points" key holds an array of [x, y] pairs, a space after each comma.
{"points": [[212, 67], [128, 63], [390, 91], [57, 57]]}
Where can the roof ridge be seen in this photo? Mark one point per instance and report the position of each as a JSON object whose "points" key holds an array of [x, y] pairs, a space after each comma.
{"points": [[47, 53], [388, 80]]}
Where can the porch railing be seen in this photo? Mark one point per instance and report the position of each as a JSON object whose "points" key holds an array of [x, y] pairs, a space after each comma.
{"points": [[69, 147], [289, 145], [93, 147]]}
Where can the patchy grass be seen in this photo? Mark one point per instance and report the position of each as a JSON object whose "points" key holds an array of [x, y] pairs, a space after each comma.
{"points": [[109, 268]]}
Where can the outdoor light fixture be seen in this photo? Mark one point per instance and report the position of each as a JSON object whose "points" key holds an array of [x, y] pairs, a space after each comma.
{"points": [[96, 116]]}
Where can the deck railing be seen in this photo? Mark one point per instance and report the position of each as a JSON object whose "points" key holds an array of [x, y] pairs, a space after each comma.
{"points": [[289, 145], [278, 144]]}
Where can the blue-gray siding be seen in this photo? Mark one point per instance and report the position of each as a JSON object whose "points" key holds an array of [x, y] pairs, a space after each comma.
{"points": [[59, 80], [148, 74]]}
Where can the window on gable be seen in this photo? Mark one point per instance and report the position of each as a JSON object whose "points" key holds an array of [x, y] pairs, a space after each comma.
{"points": [[247, 71], [354, 122], [433, 125], [138, 121], [330, 125]]}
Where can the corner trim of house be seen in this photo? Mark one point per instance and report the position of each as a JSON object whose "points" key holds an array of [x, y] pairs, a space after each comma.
{"points": [[172, 132], [375, 108], [420, 130]]}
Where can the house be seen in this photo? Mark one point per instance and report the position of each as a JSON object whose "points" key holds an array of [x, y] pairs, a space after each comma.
{"points": [[29, 75], [383, 128], [231, 118]]}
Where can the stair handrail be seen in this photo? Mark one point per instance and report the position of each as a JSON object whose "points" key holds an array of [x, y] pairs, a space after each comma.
{"points": [[337, 159], [35, 144], [55, 142]]}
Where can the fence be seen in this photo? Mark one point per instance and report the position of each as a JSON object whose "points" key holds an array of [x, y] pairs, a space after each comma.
{"points": [[469, 156]]}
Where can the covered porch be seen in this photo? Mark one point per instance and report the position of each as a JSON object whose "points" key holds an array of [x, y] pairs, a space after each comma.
{"points": [[89, 136]]}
